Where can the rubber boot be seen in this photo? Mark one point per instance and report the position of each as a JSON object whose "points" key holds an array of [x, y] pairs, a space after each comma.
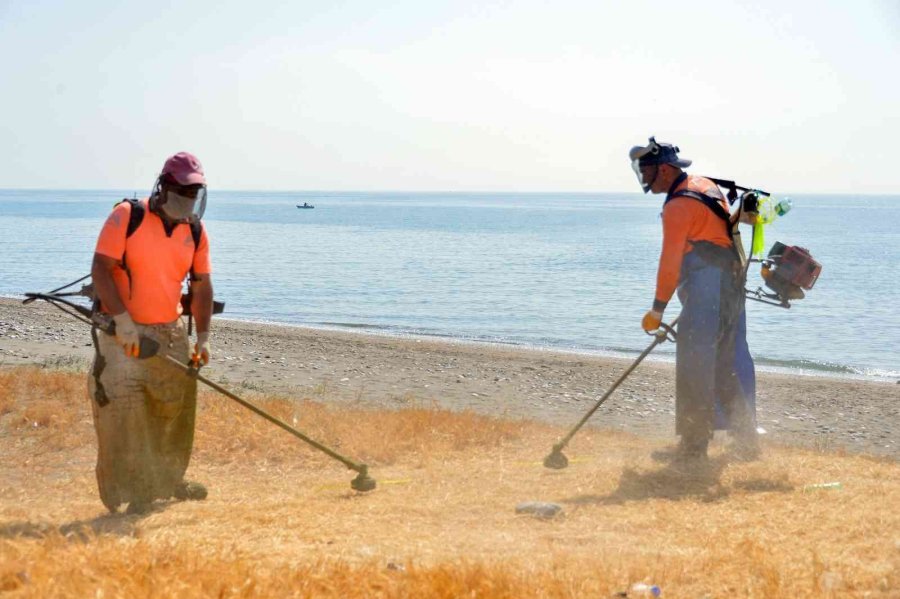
{"points": [[691, 452]]}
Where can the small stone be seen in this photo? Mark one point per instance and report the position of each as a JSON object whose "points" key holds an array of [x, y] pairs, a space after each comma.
{"points": [[539, 509]]}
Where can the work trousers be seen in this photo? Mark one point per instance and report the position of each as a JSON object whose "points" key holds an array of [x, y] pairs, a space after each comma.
{"points": [[144, 411], [715, 380]]}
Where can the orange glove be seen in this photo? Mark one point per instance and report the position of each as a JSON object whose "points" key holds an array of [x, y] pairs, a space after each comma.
{"points": [[201, 350], [127, 334], [651, 321]]}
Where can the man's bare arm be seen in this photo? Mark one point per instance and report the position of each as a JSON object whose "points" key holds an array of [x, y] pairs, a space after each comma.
{"points": [[202, 301], [102, 274]]}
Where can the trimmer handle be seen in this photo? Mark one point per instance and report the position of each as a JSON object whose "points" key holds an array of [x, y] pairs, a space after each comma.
{"points": [[148, 347], [665, 332]]}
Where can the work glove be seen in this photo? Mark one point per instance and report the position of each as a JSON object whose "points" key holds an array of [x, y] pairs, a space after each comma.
{"points": [[651, 321], [201, 350], [127, 334]]}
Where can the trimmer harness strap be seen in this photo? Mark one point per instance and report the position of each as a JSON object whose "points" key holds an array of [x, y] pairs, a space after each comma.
{"points": [[709, 201]]}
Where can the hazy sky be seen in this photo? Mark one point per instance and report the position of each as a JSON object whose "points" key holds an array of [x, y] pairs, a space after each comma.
{"points": [[787, 95]]}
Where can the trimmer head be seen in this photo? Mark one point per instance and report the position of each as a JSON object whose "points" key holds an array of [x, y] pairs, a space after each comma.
{"points": [[556, 459], [363, 482]]}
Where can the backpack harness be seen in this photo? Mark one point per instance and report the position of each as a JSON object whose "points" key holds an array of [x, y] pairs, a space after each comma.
{"points": [[707, 200], [137, 217], [733, 259]]}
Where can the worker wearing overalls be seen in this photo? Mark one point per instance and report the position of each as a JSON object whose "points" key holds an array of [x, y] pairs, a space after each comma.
{"points": [[714, 372]]}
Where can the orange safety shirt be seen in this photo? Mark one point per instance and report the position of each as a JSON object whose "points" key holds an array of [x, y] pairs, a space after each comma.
{"points": [[156, 263], [686, 220]]}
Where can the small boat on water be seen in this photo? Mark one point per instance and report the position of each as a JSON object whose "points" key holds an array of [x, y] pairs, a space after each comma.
{"points": [[305, 206]]}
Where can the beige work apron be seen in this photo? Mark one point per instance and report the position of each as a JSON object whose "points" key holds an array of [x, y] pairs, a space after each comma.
{"points": [[144, 414]]}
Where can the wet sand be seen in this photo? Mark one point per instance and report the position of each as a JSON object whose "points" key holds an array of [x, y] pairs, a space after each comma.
{"points": [[387, 372]]}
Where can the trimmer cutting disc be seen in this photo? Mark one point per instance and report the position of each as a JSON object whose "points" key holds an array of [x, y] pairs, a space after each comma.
{"points": [[556, 460], [363, 482]]}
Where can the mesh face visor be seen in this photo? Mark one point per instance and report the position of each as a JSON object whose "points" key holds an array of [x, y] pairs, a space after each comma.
{"points": [[185, 204]]}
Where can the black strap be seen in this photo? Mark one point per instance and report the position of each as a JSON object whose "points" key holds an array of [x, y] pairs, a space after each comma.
{"points": [[136, 217], [731, 186], [100, 395], [708, 201], [196, 232], [678, 181]]}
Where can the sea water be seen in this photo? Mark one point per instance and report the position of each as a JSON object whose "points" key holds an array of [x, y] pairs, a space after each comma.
{"points": [[551, 270]]}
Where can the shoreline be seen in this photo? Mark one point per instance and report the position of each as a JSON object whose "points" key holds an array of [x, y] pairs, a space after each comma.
{"points": [[511, 381], [763, 365]]}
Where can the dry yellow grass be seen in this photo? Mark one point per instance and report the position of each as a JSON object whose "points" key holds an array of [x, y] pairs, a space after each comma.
{"points": [[281, 519]]}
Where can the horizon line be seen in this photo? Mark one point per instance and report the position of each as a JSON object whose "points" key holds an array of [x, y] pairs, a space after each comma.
{"points": [[431, 191]]}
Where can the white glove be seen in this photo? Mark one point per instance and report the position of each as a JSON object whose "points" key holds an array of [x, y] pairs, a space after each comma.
{"points": [[127, 334], [201, 350]]}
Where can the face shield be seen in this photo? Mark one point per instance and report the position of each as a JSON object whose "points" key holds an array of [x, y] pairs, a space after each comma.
{"points": [[644, 163], [183, 203], [646, 174], [646, 160]]}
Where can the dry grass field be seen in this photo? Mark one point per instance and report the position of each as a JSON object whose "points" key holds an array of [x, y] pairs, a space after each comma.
{"points": [[282, 521]]}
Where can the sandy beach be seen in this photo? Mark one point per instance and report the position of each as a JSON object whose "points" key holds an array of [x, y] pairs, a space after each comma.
{"points": [[553, 387]]}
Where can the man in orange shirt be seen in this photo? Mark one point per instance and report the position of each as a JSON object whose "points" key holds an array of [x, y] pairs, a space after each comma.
{"points": [[715, 383], [144, 409]]}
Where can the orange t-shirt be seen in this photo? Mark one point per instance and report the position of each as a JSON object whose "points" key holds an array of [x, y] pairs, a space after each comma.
{"points": [[686, 220], [157, 263]]}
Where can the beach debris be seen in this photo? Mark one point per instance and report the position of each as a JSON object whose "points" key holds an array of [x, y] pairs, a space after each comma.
{"points": [[641, 589], [539, 509], [830, 486], [395, 566]]}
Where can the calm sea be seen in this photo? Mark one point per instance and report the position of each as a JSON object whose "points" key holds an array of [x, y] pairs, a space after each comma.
{"points": [[553, 270]]}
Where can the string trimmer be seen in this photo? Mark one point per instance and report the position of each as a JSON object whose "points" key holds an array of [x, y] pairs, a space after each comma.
{"points": [[556, 459], [150, 348]]}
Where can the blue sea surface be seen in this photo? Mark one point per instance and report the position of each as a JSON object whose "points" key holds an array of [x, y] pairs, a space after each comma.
{"points": [[552, 270]]}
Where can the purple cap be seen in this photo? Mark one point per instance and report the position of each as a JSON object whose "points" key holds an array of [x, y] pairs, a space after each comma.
{"points": [[185, 169]]}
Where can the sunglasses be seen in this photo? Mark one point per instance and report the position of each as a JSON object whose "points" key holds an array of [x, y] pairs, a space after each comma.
{"points": [[188, 191]]}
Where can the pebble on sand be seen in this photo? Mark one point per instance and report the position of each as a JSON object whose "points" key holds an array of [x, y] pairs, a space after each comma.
{"points": [[539, 509]]}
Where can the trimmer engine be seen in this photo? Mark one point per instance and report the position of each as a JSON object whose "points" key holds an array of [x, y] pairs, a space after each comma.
{"points": [[788, 270]]}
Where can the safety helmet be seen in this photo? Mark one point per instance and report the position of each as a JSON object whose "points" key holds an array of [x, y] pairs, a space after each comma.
{"points": [[180, 191], [652, 155]]}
